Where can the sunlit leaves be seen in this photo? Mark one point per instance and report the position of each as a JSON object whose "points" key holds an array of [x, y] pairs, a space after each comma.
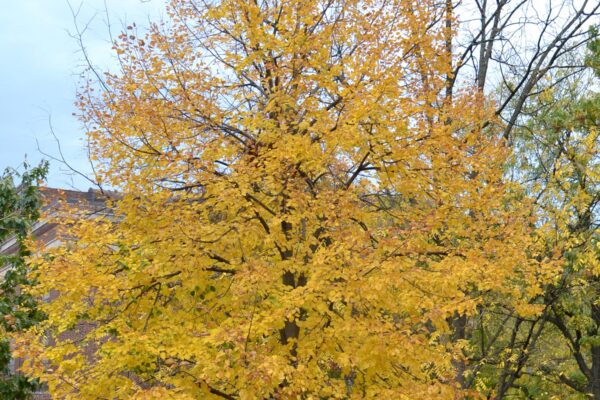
{"points": [[303, 212]]}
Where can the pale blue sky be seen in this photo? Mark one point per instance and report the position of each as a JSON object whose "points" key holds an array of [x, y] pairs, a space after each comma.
{"points": [[39, 74]]}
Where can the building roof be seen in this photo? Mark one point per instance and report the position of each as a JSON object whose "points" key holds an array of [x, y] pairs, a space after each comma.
{"points": [[55, 201]]}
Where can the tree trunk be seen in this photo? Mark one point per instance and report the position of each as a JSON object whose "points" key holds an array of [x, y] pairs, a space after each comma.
{"points": [[594, 383]]}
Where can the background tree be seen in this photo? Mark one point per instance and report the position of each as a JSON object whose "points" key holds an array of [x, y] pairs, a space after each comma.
{"points": [[555, 158], [19, 209], [559, 153], [517, 53]]}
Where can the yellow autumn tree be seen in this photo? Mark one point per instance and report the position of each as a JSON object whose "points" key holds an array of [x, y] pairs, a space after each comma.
{"points": [[305, 212]]}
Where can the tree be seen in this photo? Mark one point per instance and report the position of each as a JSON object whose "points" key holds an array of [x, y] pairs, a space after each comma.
{"points": [[307, 211], [517, 53], [19, 209], [550, 355], [557, 156]]}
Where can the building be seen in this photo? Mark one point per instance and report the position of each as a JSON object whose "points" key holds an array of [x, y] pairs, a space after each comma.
{"points": [[46, 231]]}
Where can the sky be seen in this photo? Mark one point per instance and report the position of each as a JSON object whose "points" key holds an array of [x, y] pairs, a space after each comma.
{"points": [[39, 75]]}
